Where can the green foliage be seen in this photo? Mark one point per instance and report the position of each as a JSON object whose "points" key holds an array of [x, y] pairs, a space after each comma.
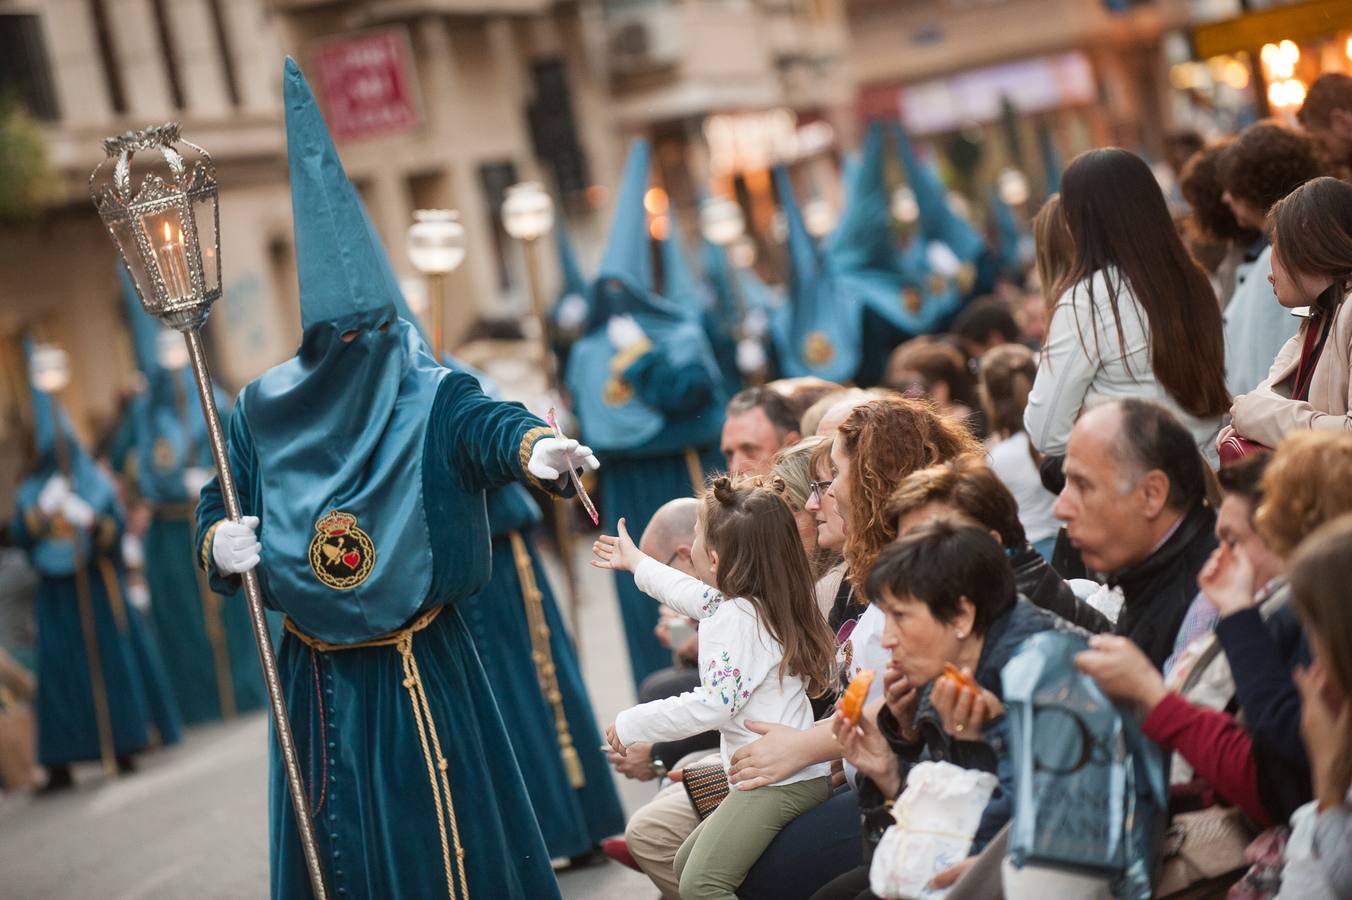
{"points": [[29, 183]]}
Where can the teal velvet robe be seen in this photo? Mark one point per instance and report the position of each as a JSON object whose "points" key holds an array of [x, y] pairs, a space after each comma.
{"points": [[355, 732], [140, 706], [572, 820], [206, 639], [636, 483]]}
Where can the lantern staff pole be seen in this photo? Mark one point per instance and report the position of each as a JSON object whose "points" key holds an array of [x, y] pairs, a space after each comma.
{"points": [[253, 594]]}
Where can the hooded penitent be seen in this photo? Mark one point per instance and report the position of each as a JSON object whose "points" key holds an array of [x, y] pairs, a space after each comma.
{"points": [[612, 416], [170, 432], [817, 330], [59, 451], [341, 425]]}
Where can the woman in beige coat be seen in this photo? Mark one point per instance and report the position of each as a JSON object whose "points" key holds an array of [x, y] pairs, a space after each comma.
{"points": [[1307, 386]]}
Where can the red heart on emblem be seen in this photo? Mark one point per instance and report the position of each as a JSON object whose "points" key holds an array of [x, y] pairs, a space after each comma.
{"points": [[351, 559]]}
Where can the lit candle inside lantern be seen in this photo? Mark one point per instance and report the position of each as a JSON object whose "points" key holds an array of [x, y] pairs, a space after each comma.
{"points": [[173, 263]]}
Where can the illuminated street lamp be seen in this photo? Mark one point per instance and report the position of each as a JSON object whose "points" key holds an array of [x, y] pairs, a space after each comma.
{"points": [[721, 221], [528, 215], [167, 230], [436, 247]]}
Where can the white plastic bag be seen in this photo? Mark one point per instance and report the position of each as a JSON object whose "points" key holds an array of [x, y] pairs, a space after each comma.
{"points": [[937, 816]]}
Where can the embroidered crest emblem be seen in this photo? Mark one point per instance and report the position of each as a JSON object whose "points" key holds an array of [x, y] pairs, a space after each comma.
{"points": [[341, 554], [817, 348], [162, 455]]}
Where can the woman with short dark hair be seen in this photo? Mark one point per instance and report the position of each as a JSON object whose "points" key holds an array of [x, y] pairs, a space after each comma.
{"points": [[1137, 316], [948, 594]]}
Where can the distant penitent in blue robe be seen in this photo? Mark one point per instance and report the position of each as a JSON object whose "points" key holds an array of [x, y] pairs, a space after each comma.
{"points": [[366, 462], [206, 639], [653, 412], [130, 676]]}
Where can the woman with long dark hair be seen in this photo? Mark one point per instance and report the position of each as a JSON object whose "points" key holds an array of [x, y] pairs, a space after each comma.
{"points": [[1307, 387], [1137, 318]]}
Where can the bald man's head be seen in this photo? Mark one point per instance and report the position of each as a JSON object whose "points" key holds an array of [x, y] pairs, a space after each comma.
{"points": [[671, 532], [837, 414]]}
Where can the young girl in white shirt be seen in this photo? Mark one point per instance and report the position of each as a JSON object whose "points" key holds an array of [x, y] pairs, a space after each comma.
{"points": [[763, 647]]}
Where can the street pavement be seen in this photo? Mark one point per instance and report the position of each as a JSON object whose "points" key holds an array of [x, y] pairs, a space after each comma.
{"points": [[192, 823]]}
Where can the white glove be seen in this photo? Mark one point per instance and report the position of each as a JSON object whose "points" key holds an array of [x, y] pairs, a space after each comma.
{"points": [[750, 356], [549, 458], [133, 553], [77, 512], [755, 323], [572, 312], [235, 547], [194, 477], [624, 332], [942, 260], [53, 495]]}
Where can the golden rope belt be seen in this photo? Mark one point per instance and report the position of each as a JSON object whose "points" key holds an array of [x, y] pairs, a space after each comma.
{"points": [[544, 658], [402, 640]]}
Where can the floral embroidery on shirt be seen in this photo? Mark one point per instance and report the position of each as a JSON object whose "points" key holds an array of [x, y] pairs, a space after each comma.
{"points": [[726, 681], [712, 600]]}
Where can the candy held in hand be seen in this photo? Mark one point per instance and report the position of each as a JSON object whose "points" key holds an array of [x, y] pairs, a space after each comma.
{"points": [[852, 704], [959, 678]]}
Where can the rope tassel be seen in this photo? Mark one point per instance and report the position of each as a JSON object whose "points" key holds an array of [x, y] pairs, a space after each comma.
{"points": [[544, 659]]}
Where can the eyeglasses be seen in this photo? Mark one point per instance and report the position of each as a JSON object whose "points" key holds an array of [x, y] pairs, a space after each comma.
{"points": [[818, 489]]}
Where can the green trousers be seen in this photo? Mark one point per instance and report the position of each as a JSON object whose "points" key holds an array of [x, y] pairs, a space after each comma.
{"points": [[722, 849]]}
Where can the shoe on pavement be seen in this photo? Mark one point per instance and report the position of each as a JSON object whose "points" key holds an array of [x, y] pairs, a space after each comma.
{"points": [[618, 850]]}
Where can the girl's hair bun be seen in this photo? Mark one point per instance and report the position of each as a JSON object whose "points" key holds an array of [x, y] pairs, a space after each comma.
{"points": [[777, 484], [723, 491]]}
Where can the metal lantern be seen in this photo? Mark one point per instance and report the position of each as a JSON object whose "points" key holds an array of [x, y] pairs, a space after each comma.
{"points": [[166, 226], [721, 221], [436, 241], [527, 211]]}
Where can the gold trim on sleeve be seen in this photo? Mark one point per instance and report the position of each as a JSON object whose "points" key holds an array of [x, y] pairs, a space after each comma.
{"points": [[528, 442], [205, 551]]}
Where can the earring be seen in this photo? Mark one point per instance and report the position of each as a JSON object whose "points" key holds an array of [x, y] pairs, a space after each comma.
{"points": [[962, 635]]}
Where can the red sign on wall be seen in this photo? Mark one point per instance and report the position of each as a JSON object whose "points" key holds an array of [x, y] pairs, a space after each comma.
{"points": [[367, 85]]}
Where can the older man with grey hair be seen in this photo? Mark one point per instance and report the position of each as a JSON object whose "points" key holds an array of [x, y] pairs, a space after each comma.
{"points": [[1134, 505]]}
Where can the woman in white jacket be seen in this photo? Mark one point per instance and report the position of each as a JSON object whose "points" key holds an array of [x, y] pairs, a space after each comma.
{"points": [[1136, 316]]}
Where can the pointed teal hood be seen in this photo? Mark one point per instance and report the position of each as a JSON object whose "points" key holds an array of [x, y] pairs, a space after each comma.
{"points": [[342, 424], [54, 438], [336, 259], [612, 416], [817, 330], [574, 282], [624, 279], [938, 222], [678, 281], [144, 328], [863, 237]]}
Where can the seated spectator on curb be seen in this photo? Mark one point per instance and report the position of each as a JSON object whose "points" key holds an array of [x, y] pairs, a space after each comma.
{"points": [[757, 423], [1307, 386], [968, 487], [1134, 506], [949, 597]]}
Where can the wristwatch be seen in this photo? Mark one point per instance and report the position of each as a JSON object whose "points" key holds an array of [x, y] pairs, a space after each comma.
{"points": [[659, 768]]}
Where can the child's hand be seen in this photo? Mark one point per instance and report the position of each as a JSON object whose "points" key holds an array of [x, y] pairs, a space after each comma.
{"points": [[616, 553], [613, 740]]}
